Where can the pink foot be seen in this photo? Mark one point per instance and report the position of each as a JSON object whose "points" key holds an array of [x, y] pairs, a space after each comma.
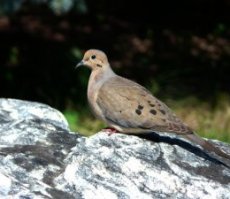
{"points": [[110, 130]]}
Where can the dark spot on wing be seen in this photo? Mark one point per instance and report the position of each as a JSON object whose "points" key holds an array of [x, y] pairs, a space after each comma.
{"points": [[140, 107], [164, 120], [151, 104], [138, 112], [154, 112], [162, 111]]}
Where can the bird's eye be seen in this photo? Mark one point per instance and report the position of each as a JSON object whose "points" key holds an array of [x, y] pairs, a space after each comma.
{"points": [[93, 57]]}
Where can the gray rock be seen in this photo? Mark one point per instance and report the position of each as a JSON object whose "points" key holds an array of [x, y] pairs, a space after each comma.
{"points": [[41, 158]]}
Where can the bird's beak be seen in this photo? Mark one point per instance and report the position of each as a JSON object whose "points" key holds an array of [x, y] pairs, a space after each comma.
{"points": [[81, 63]]}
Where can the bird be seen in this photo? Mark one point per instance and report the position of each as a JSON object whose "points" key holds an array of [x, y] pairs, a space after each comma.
{"points": [[129, 108]]}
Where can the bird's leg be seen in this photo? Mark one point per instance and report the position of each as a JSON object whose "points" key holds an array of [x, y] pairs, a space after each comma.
{"points": [[110, 130]]}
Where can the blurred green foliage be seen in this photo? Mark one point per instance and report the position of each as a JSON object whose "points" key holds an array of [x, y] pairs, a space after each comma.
{"points": [[178, 50]]}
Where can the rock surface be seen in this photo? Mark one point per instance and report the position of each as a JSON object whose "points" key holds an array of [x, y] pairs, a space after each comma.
{"points": [[41, 158]]}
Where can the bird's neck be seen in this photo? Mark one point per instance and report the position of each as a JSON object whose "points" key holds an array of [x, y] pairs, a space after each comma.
{"points": [[97, 78]]}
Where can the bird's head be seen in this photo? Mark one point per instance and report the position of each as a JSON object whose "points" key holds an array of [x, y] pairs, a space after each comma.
{"points": [[94, 59]]}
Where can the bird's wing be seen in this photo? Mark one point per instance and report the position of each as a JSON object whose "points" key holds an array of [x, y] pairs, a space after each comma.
{"points": [[127, 104]]}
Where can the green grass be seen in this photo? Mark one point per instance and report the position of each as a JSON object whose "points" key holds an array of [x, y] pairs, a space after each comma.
{"points": [[207, 121], [83, 122]]}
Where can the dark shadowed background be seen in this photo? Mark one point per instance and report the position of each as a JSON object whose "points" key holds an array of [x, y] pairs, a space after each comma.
{"points": [[180, 50]]}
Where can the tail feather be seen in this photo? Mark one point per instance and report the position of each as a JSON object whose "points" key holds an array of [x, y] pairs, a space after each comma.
{"points": [[206, 145]]}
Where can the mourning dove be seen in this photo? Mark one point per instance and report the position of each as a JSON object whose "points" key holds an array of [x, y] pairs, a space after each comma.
{"points": [[129, 107]]}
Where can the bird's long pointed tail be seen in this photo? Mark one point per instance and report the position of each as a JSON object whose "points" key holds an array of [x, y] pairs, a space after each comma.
{"points": [[206, 145]]}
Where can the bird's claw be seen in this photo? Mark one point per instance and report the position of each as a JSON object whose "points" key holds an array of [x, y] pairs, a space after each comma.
{"points": [[109, 130]]}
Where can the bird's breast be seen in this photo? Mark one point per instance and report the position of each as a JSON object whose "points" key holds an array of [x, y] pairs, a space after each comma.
{"points": [[92, 94]]}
